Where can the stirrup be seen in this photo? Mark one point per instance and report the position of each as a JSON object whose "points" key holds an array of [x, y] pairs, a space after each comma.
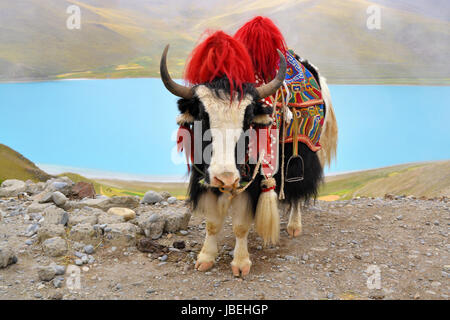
{"points": [[295, 178]]}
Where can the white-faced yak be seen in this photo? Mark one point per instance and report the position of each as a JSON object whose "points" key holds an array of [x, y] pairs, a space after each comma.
{"points": [[232, 139]]}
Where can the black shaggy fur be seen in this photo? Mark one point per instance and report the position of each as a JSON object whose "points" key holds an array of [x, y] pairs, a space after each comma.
{"points": [[312, 174], [294, 191]]}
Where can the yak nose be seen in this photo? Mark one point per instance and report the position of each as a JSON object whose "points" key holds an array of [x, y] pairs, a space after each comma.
{"points": [[226, 180]]}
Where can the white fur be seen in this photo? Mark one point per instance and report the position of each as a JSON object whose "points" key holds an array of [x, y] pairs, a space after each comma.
{"points": [[329, 135], [214, 208], [295, 219], [241, 210], [226, 127]]}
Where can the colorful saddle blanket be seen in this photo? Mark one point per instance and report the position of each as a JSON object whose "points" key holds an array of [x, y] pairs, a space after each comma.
{"points": [[304, 99]]}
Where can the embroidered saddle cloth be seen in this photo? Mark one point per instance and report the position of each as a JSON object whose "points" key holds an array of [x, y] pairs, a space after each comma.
{"points": [[304, 99]]}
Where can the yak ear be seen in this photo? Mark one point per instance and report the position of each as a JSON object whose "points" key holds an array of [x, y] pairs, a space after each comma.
{"points": [[262, 115], [189, 109]]}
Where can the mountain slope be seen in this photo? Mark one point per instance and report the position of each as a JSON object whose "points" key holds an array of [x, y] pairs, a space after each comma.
{"points": [[126, 38], [13, 165], [431, 179]]}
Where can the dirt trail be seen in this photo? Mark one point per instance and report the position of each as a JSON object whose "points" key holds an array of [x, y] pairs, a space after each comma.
{"points": [[342, 244]]}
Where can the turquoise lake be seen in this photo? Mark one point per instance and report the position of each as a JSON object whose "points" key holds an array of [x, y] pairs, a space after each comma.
{"points": [[127, 125]]}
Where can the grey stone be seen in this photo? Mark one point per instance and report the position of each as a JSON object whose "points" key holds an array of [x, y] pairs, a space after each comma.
{"points": [[151, 224], [12, 187], [172, 200], [176, 220], [59, 199], [184, 232], [46, 273], [36, 207], [105, 204], [58, 282], [29, 242], [122, 234], [165, 194], [105, 218], [34, 188], [81, 217], [78, 262], [89, 249], [32, 230], [53, 215], [7, 257], [47, 231], [59, 270], [61, 184], [164, 258], [55, 247], [46, 198], [85, 233], [151, 197]]}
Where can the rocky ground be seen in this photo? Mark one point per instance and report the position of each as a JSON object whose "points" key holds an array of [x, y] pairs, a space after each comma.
{"points": [[54, 245]]}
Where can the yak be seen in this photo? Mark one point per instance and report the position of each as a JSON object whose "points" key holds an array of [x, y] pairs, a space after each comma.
{"points": [[222, 104]]}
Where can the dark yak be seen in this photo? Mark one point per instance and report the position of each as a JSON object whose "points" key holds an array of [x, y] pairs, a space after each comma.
{"points": [[222, 118]]}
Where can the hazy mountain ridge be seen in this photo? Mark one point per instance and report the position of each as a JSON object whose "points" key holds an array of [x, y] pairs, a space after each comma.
{"points": [[125, 38]]}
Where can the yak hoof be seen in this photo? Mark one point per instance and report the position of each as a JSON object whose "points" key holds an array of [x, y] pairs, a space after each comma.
{"points": [[204, 266], [242, 270], [294, 231]]}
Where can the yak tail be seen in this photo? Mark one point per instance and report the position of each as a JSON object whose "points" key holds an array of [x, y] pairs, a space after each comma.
{"points": [[267, 217], [329, 135]]}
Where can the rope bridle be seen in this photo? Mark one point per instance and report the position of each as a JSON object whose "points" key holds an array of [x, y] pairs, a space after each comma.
{"points": [[235, 190]]}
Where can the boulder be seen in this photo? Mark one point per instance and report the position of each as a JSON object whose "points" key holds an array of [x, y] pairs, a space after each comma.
{"points": [[34, 188], [151, 224], [85, 233], [171, 200], [126, 213], [82, 190], [62, 184], [12, 188], [152, 197], [59, 199], [36, 207], [7, 257], [176, 220], [53, 215], [122, 234], [106, 218], [165, 194], [46, 273], [105, 204], [54, 247], [47, 231], [82, 216]]}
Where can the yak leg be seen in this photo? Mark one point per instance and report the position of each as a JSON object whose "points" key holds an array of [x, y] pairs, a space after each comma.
{"points": [[242, 216], [214, 208], [294, 227]]}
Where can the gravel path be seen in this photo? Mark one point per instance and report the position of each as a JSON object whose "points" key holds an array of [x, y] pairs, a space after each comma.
{"points": [[403, 243]]}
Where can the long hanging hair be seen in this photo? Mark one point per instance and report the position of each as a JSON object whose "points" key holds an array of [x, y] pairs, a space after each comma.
{"points": [[262, 38], [217, 56]]}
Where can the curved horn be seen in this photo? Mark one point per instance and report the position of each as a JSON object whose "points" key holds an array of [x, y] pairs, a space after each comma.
{"points": [[172, 86], [272, 87]]}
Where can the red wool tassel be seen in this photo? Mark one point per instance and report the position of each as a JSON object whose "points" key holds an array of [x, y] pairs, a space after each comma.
{"points": [[185, 142], [217, 56], [262, 38]]}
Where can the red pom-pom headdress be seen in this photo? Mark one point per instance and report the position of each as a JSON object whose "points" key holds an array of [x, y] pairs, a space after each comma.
{"points": [[217, 56], [262, 38]]}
